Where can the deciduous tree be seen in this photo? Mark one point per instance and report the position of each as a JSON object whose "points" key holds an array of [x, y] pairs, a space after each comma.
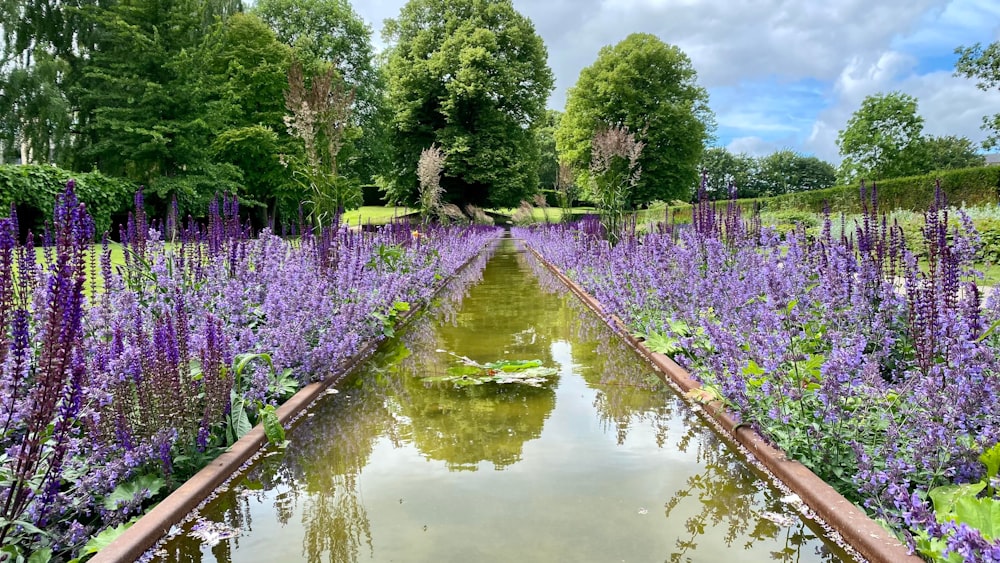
{"points": [[325, 32], [881, 139], [724, 169], [948, 153], [471, 77], [651, 88], [983, 64]]}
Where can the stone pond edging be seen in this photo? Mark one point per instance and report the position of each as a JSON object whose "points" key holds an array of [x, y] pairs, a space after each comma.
{"points": [[156, 523], [858, 530]]}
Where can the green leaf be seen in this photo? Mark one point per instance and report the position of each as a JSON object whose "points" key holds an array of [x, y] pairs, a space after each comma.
{"points": [[945, 497], [991, 459], [126, 492], [41, 556], [239, 421], [983, 514], [464, 370], [662, 344], [104, 539], [273, 429], [401, 306], [753, 369]]}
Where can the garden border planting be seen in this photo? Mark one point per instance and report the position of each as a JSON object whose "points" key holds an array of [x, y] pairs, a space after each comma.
{"points": [[867, 537], [155, 524]]}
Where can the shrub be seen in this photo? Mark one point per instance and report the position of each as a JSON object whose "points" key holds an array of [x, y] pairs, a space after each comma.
{"points": [[37, 187], [971, 186]]}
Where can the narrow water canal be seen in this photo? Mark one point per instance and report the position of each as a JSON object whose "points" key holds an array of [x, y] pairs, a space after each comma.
{"points": [[598, 462]]}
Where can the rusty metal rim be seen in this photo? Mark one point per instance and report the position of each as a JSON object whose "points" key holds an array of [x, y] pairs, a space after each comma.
{"points": [[156, 523], [859, 531]]}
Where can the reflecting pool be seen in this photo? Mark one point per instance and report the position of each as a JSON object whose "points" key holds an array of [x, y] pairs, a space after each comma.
{"points": [[413, 458]]}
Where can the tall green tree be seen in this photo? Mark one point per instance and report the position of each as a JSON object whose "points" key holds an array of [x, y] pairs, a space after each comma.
{"points": [[948, 153], [723, 169], [325, 32], [787, 171], [471, 77], [881, 139], [983, 64], [548, 157], [140, 117], [651, 88], [40, 46], [240, 71]]}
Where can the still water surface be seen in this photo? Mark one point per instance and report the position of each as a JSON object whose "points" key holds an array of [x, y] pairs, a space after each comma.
{"points": [[601, 463]]}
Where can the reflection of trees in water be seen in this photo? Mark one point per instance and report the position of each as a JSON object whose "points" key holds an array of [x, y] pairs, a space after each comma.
{"points": [[490, 422], [728, 494], [504, 317]]}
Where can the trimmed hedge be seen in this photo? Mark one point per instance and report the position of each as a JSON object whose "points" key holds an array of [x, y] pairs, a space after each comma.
{"points": [[971, 186], [33, 188]]}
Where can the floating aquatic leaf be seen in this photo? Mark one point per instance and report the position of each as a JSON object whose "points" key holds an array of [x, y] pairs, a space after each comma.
{"points": [[470, 372]]}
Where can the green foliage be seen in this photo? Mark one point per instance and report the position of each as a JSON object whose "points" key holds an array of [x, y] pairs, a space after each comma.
{"points": [[36, 186], [969, 186], [331, 32], [881, 139], [783, 171], [389, 319], [273, 428], [649, 87], [983, 64], [723, 169], [241, 70], [471, 77], [141, 486], [786, 171], [961, 504], [948, 153], [548, 158], [102, 540], [140, 116], [34, 110]]}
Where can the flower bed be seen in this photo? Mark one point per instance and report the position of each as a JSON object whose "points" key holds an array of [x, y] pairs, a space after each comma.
{"points": [[110, 400], [878, 376]]}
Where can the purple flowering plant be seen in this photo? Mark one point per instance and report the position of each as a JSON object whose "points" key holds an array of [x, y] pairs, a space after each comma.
{"points": [[121, 380], [876, 370]]}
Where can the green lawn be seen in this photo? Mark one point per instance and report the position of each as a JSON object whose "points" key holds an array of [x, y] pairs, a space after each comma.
{"points": [[375, 215]]}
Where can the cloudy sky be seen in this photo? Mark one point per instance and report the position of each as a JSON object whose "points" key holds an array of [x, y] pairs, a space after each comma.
{"points": [[782, 73]]}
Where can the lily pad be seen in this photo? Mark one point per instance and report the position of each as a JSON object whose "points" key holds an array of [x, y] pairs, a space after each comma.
{"points": [[469, 372]]}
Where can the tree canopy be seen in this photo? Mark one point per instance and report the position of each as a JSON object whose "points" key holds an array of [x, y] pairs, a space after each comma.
{"points": [[983, 64], [330, 32], [651, 88], [881, 139], [470, 76], [780, 172]]}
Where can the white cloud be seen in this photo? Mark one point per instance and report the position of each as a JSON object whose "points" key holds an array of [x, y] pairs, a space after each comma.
{"points": [[753, 146]]}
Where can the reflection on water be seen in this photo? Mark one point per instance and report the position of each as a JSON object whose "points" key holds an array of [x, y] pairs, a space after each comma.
{"points": [[602, 463]]}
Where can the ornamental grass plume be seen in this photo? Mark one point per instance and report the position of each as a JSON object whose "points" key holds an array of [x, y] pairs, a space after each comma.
{"points": [[615, 170], [430, 193]]}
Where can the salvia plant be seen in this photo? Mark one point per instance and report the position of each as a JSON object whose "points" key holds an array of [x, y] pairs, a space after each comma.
{"points": [[120, 379], [875, 368]]}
